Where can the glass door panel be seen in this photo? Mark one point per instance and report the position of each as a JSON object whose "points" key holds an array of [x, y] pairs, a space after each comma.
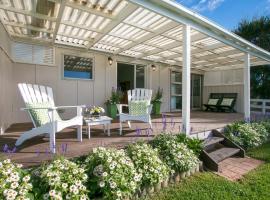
{"points": [[176, 91], [140, 76], [196, 91]]}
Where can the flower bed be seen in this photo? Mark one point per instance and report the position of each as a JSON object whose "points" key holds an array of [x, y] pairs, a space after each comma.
{"points": [[14, 181], [248, 135], [61, 179], [105, 173], [176, 155], [148, 163], [112, 174]]}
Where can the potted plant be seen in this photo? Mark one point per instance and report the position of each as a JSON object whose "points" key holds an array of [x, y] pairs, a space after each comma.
{"points": [[115, 98], [156, 101]]}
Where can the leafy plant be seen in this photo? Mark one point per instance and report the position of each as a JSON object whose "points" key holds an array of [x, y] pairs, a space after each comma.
{"points": [[196, 145], [158, 96], [112, 174], [14, 181], [61, 179], [116, 96], [248, 135], [176, 155], [147, 162]]}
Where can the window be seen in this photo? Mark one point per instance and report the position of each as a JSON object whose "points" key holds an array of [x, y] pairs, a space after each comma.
{"points": [[78, 67]]}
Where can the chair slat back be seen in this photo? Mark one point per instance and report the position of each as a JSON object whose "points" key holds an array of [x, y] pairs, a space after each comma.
{"points": [[139, 95], [36, 93], [32, 94]]}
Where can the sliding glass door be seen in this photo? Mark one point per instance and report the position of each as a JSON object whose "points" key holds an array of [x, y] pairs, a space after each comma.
{"points": [[176, 91], [130, 76]]}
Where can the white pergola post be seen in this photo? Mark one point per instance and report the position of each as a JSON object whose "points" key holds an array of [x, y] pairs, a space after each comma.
{"points": [[186, 80], [247, 87]]}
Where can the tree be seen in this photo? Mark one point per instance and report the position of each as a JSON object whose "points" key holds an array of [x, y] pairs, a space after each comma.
{"points": [[257, 31]]}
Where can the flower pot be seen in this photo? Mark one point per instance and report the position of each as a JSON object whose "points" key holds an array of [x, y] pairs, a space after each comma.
{"points": [[198, 167], [150, 190], [201, 166], [183, 175], [193, 170], [165, 183], [112, 110], [188, 173], [156, 107], [171, 181], [157, 187], [177, 177]]}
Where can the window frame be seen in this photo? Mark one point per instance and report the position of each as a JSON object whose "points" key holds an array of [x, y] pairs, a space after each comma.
{"points": [[81, 56]]}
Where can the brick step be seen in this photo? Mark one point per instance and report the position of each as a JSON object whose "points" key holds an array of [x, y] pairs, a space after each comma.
{"points": [[212, 140], [223, 153]]}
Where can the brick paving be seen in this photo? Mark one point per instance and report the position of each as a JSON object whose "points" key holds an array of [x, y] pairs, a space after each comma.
{"points": [[235, 168]]}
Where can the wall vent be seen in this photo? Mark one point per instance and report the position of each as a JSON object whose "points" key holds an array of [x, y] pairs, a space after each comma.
{"points": [[33, 54]]}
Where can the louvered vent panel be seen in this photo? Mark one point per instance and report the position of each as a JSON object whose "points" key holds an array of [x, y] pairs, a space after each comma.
{"points": [[34, 54], [22, 52], [43, 55]]}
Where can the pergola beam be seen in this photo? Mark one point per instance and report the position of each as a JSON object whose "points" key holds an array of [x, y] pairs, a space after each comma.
{"points": [[28, 13], [59, 18], [27, 26], [130, 8]]}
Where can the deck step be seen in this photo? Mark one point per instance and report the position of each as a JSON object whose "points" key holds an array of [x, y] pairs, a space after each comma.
{"points": [[212, 140], [223, 153]]}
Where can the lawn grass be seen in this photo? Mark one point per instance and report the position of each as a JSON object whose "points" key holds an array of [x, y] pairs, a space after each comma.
{"points": [[208, 186]]}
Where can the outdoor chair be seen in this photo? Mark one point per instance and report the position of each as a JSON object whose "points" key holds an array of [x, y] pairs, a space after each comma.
{"points": [[139, 106], [221, 102], [39, 103]]}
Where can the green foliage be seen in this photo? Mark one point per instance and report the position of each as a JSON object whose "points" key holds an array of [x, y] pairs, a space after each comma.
{"points": [[158, 96], [61, 179], [257, 31], [176, 155], [196, 145], [116, 96], [112, 174], [147, 162], [244, 135]]}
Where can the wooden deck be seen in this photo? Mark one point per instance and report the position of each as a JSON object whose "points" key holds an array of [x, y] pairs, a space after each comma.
{"points": [[35, 151]]}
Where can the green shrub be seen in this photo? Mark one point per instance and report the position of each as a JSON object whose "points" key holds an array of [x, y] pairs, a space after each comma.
{"points": [[14, 181], [244, 135], [176, 155], [248, 135], [61, 179], [194, 144], [112, 174], [147, 162], [261, 130]]}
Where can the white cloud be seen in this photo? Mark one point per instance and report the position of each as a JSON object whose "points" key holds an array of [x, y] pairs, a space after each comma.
{"points": [[210, 5]]}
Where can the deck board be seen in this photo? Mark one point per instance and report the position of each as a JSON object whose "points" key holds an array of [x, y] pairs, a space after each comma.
{"points": [[35, 151]]}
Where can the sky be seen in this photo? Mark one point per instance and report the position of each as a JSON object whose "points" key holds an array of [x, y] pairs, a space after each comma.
{"points": [[228, 13]]}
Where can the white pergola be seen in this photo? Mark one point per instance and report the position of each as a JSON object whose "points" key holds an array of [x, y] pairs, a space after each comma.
{"points": [[160, 31]]}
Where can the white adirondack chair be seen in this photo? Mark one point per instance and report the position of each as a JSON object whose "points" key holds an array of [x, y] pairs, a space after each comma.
{"points": [[42, 95], [136, 95]]}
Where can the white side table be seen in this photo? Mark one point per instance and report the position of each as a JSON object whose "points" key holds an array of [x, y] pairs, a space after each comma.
{"points": [[103, 120]]}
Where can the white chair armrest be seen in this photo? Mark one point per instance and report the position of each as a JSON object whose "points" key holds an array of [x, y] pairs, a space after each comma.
{"points": [[120, 107], [79, 108], [39, 108], [149, 108]]}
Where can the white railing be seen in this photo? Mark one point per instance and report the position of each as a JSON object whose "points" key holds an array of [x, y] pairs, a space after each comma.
{"points": [[260, 105]]}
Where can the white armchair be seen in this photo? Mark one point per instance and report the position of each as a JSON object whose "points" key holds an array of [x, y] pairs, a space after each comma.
{"points": [[40, 105], [143, 109]]}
